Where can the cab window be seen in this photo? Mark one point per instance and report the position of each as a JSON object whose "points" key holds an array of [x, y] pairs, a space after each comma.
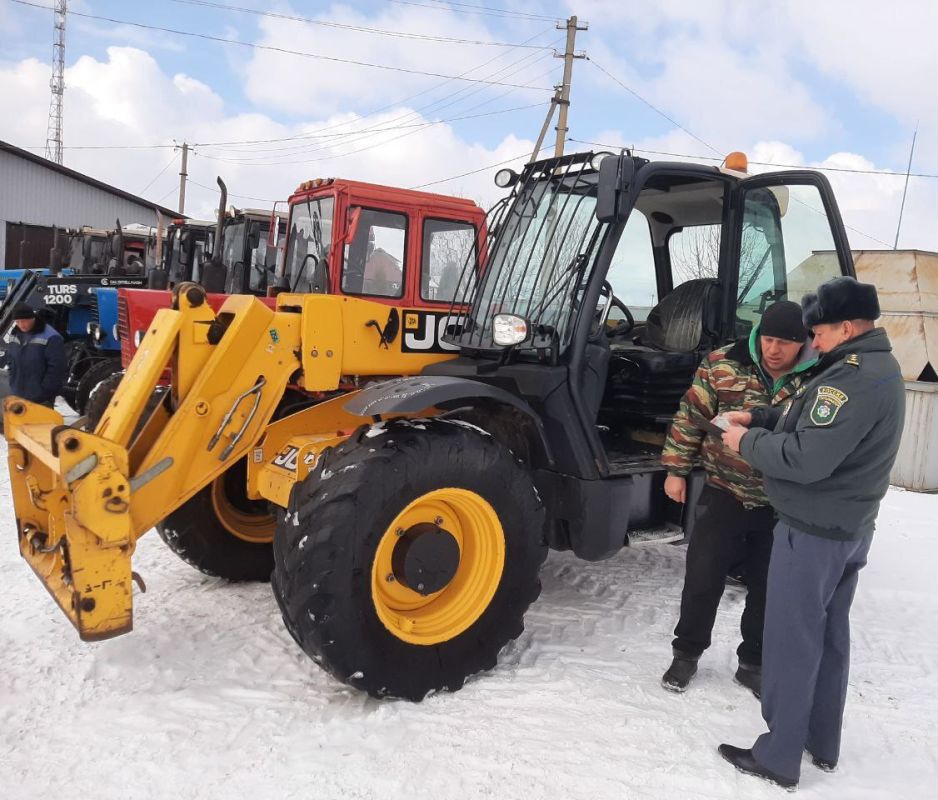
{"points": [[632, 271], [373, 262], [449, 248], [306, 263], [786, 249]]}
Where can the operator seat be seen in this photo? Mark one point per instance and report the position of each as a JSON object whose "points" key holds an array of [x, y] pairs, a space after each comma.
{"points": [[649, 375]]}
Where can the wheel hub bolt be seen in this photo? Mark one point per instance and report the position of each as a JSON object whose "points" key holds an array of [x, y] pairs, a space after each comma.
{"points": [[438, 521], [389, 578]]}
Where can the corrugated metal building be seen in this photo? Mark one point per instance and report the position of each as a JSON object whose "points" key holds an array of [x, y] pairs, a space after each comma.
{"points": [[37, 194]]}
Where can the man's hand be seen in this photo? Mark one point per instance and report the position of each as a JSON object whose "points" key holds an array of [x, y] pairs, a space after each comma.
{"points": [[675, 487], [734, 434], [743, 418]]}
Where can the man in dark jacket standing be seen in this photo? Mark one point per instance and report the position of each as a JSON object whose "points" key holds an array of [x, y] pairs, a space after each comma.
{"points": [[35, 354], [826, 458]]}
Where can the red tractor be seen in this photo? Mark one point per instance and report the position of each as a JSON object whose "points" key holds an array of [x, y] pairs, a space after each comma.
{"points": [[400, 247]]}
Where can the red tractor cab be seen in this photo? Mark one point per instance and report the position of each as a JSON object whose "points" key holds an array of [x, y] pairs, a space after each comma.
{"points": [[405, 248]]}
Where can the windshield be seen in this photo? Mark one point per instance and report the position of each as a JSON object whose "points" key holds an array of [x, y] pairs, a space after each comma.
{"points": [[544, 243], [233, 244], [306, 264]]}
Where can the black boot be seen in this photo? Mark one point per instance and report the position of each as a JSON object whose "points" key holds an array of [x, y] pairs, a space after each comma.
{"points": [[750, 676], [744, 762], [679, 674], [822, 763]]}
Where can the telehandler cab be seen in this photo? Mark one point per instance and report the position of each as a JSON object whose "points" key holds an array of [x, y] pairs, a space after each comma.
{"points": [[410, 517]]}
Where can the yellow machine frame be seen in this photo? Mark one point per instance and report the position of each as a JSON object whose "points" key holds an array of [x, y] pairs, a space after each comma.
{"points": [[83, 499]]}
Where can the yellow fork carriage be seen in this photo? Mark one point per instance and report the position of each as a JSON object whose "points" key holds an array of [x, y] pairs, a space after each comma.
{"points": [[422, 569]]}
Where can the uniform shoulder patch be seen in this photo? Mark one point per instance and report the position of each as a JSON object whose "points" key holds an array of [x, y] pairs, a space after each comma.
{"points": [[852, 360], [826, 405]]}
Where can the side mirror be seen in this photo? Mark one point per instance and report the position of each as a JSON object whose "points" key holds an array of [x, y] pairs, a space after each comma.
{"points": [[615, 175]]}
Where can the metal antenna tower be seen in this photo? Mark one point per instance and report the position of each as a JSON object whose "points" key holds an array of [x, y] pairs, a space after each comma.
{"points": [[57, 84]]}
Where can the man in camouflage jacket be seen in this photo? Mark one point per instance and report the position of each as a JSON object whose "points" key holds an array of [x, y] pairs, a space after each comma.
{"points": [[734, 520]]}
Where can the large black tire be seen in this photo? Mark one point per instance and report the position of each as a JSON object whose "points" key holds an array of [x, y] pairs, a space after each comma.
{"points": [[97, 372], [78, 358], [328, 545], [202, 530], [99, 399], [222, 533]]}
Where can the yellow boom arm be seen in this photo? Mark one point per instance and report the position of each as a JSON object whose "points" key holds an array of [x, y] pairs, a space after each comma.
{"points": [[83, 499]]}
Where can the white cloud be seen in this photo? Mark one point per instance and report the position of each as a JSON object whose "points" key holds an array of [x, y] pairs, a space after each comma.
{"points": [[128, 99]]}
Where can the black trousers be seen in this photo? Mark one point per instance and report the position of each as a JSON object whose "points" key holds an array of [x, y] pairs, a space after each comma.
{"points": [[725, 534]]}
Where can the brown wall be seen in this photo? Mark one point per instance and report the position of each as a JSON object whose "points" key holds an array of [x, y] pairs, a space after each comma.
{"points": [[36, 251]]}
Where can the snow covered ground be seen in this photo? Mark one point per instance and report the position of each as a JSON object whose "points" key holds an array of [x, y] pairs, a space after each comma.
{"points": [[210, 698]]}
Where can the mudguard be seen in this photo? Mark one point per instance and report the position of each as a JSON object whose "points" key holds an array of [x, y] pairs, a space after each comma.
{"points": [[415, 394]]}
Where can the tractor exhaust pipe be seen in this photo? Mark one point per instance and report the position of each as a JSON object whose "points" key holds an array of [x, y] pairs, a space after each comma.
{"points": [[214, 274]]}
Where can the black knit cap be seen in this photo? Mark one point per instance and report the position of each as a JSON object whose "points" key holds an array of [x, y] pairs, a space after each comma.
{"points": [[23, 311], [782, 320], [840, 299]]}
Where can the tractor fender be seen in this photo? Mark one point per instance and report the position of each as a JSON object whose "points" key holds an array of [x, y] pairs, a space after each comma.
{"points": [[418, 393]]}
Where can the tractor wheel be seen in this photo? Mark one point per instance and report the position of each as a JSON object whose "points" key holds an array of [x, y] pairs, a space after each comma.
{"points": [[221, 532], [78, 359], [407, 559], [96, 373], [99, 399], [101, 396]]}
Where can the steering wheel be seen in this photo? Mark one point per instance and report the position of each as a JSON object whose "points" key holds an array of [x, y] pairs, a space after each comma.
{"points": [[623, 326]]}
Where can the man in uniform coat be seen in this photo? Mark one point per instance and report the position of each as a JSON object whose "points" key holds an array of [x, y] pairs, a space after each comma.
{"points": [[825, 458]]}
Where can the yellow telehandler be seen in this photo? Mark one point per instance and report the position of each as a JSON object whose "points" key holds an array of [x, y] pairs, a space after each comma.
{"points": [[410, 516]]}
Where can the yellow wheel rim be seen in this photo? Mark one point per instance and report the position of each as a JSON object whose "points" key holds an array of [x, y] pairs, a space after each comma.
{"points": [[254, 528], [439, 617]]}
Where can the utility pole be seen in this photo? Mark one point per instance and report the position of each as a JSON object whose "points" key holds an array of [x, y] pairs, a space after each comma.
{"points": [[564, 102], [182, 177], [57, 84]]}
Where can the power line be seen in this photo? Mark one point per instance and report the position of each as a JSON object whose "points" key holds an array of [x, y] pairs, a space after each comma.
{"points": [[283, 50], [884, 172], [507, 11], [477, 10], [371, 132], [526, 156], [439, 104], [234, 194], [158, 174], [651, 106], [358, 28], [465, 91]]}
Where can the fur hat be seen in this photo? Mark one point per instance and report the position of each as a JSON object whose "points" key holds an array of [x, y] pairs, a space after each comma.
{"points": [[782, 320], [23, 311], [840, 299]]}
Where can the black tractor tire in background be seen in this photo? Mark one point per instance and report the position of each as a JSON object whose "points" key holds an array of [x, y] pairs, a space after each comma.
{"points": [[197, 531], [97, 372], [99, 399], [327, 545], [77, 361]]}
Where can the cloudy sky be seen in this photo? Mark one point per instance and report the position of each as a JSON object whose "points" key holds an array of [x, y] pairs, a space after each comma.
{"points": [[435, 94]]}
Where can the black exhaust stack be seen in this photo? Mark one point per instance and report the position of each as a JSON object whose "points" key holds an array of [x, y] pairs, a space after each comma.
{"points": [[214, 274]]}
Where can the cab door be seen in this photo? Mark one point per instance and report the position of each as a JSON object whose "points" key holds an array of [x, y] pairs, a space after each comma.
{"points": [[787, 239]]}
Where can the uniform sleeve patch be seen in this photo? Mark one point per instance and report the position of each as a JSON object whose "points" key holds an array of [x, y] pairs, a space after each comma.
{"points": [[826, 405]]}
